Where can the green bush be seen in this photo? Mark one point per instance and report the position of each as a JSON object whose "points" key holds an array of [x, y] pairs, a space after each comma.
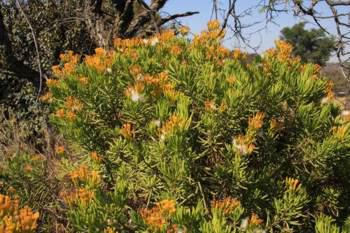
{"points": [[187, 136]]}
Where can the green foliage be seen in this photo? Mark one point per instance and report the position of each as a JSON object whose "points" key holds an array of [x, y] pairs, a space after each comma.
{"points": [[312, 46], [185, 135]]}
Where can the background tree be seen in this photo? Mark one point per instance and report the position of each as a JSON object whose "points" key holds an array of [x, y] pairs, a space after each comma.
{"points": [[331, 16], [312, 46], [34, 33]]}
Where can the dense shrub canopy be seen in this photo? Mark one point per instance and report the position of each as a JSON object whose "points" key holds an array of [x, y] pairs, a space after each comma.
{"points": [[186, 136]]}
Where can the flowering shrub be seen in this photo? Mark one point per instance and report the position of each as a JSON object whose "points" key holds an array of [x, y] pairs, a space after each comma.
{"points": [[188, 136]]}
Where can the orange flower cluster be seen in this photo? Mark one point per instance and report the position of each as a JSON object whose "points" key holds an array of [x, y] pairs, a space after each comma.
{"points": [[157, 216], [15, 219], [135, 71], [166, 35], [70, 61], [127, 131], [72, 105], [46, 98], [59, 149], [227, 205], [209, 105], [276, 124], [284, 50], [244, 144], [213, 25], [80, 196], [340, 132], [283, 53], [94, 156], [27, 168], [218, 53], [83, 80], [101, 61], [52, 82], [205, 36], [173, 123], [256, 122], [134, 92], [159, 80], [175, 50], [238, 54], [292, 184], [83, 174], [184, 30], [329, 90], [170, 92], [231, 79], [255, 220], [109, 230], [127, 43], [176, 229]]}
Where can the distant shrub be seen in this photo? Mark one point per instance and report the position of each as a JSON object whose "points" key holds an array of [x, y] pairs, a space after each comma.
{"points": [[186, 136]]}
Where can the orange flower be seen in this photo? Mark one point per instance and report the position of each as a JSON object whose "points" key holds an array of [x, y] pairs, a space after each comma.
{"points": [[340, 132], [243, 144], [73, 104], [173, 123], [60, 113], [227, 205], [100, 52], [56, 70], [231, 79], [95, 156], [184, 30], [329, 90], [27, 168], [276, 124], [255, 220], [223, 52], [108, 230], [157, 216], [127, 131], [71, 116], [256, 122], [134, 92], [166, 35], [52, 82], [101, 61], [167, 206], [59, 149], [175, 50], [213, 25], [15, 219], [223, 106], [83, 80], [176, 229], [81, 195], [237, 53], [47, 97], [135, 70], [209, 105], [292, 184]]}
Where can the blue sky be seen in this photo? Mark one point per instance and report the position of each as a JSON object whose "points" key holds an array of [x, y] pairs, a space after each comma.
{"points": [[197, 23]]}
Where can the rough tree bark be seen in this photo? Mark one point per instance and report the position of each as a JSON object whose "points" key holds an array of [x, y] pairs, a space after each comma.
{"points": [[130, 18]]}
